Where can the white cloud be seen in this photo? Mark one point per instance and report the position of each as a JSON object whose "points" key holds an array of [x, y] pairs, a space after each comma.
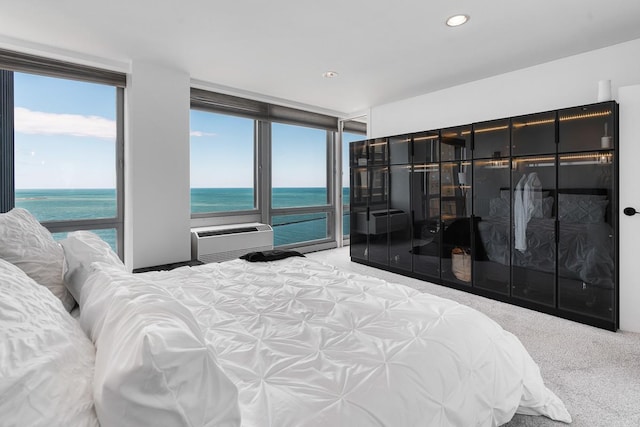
{"points": [[198, 133], [38, 122]]}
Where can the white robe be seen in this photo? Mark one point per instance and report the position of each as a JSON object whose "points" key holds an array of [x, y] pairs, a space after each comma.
{"points": [[519, 216], [532, 196], [528, 197]]}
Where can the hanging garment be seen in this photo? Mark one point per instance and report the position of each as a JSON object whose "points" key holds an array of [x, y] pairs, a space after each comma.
{"points": [[528, 198], [519, 216], [532, 196]]}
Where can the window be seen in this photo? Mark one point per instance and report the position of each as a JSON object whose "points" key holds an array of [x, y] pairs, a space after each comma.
{"points": [[222, 163], [299, 166], [284, 171], [66, 144], [299, 178], [297, 228]]}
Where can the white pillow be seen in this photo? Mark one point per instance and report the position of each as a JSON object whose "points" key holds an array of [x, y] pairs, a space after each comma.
{"points": [[26, 243], [153, 366], [81, 248], [46, 360]]}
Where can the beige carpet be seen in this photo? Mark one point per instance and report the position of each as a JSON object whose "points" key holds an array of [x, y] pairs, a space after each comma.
{"points": [[595, 372]]}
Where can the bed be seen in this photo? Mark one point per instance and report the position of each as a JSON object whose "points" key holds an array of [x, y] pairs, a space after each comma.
{"points": [[288, 342]]}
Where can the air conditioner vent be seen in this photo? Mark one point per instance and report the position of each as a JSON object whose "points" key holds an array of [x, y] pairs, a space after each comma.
{"points": [[225, 242], [229, 231]]}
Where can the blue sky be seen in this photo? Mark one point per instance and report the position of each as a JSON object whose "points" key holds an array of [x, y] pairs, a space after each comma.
{"points": [[65, 138], [222, 153], [64, 133]]}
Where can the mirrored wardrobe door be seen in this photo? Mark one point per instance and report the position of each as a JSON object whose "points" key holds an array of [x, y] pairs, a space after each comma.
{"points": [[492, 212], [378, 224], [425, 201], [359, 203], [533, 251], [586, 251], [456, 222], [399, 213]]}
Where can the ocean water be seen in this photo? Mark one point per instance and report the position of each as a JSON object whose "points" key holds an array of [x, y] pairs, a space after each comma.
{"points": [[68, 204], [71, 204], [235, 199], [75, 204]]}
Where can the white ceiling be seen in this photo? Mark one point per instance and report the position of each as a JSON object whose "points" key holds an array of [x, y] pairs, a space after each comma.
{"points": [[382, 50]]}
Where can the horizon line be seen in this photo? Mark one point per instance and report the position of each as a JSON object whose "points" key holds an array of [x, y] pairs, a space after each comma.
{"points": [[113, 188]]}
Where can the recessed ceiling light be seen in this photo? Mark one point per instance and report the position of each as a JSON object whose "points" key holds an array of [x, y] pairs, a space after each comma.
{"points": [[457, 20], [330, 74]]}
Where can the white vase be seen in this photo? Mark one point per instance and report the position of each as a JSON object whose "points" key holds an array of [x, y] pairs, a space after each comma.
{"points": [[604, 90]]}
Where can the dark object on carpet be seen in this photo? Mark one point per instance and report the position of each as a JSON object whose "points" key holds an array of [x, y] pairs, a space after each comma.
{"points": [[272, 255]]}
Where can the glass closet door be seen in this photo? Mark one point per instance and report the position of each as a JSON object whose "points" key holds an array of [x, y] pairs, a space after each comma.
{"points": [[492, 212], [587, 128], [358, 199], [377, 224], [533, 182], [399, 214], [400, 202], [533, 251], [425, 195], [425, 202], [586, 252], [456, 210], [492, 205], [587, 211], [491, 139], [378, 215]]}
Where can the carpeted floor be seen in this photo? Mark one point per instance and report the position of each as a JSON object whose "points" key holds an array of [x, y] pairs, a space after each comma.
{"points": [[595, 372]]}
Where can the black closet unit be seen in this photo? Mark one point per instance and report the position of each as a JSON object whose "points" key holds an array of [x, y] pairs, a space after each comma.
{"points": [[522, 209]]}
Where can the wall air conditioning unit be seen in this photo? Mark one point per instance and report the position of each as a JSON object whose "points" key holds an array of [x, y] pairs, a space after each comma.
{"points": [[225, 242]]}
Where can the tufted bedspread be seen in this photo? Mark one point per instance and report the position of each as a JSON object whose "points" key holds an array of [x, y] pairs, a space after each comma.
{"points": [[309, 345]]}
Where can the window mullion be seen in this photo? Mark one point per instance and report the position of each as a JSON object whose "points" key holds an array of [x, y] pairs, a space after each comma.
{"points": [[7, 162], [120, 184], [338, 184], [264, 175], [81, 224], [331, 184]]}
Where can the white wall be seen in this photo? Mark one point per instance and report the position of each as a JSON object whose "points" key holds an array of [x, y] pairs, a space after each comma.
{"points": [[629, 98], [157, 211], [563, 83]]}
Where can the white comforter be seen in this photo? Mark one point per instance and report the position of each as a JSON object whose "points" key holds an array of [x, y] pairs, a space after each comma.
{"points": [[308, 345]]}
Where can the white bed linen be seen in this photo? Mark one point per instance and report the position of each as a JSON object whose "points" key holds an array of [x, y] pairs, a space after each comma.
{"points": [[308, 345], [152, 366], [46, 361], [25, 243]]}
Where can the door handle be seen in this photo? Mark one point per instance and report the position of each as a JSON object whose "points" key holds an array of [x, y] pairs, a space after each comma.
{"points": [[630, 211]]}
